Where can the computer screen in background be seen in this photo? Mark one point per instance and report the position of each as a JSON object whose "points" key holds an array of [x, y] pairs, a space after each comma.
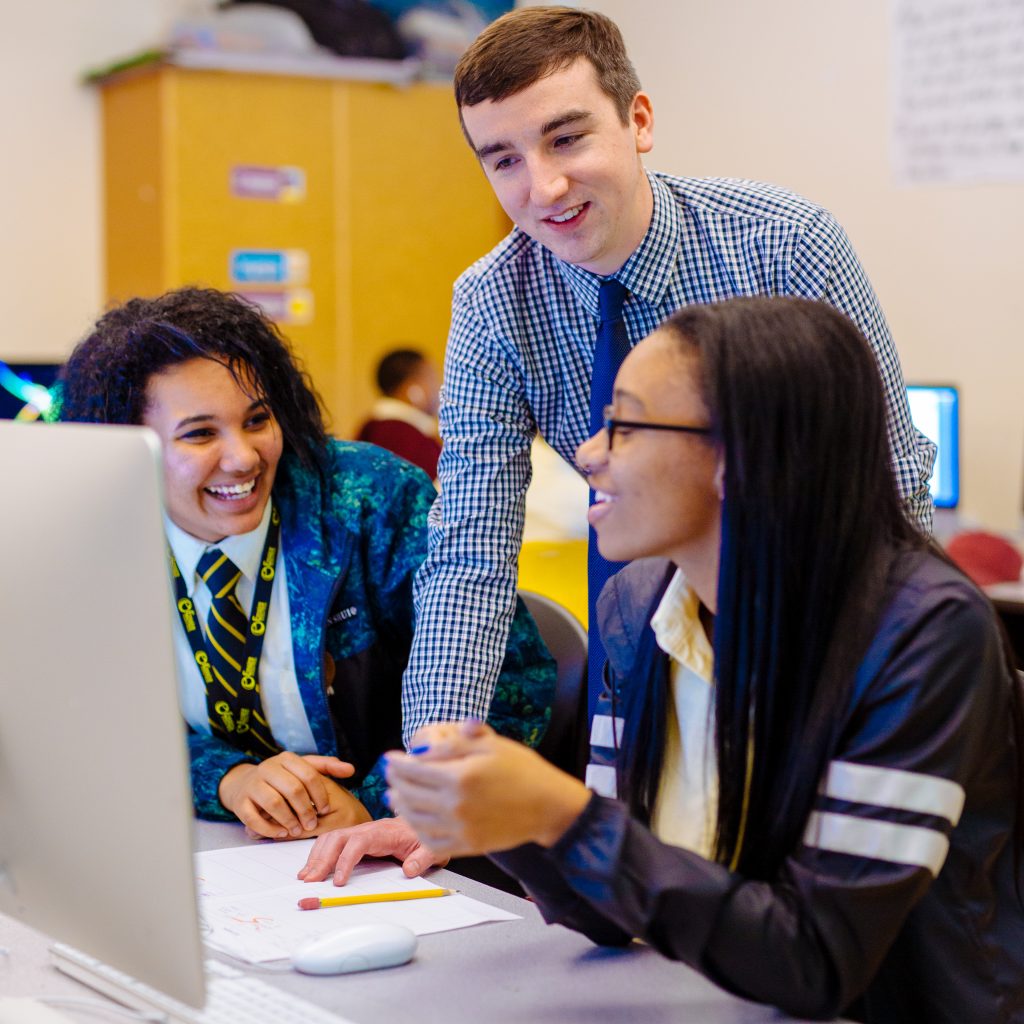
{"points": [[934, 408], [20, 384]]}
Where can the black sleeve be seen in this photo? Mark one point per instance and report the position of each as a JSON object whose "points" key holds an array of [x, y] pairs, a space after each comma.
{"points": [[541, 876], [810, 940]]}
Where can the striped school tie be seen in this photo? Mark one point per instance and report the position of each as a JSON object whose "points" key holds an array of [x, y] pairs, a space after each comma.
{"points": [[232, 697]]}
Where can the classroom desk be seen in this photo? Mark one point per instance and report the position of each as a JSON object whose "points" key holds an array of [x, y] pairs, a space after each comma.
{"points": [[510, 972]]}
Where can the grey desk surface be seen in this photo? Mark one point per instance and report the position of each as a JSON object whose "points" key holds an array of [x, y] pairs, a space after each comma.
{"points": [[517, 971]]}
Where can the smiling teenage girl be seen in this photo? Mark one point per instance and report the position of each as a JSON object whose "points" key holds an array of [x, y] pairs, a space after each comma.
{"points": [[292, 558], [810, 722]]}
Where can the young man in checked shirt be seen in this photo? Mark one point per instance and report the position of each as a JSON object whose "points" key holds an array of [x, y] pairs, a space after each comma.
{"points": [[553, 109]]}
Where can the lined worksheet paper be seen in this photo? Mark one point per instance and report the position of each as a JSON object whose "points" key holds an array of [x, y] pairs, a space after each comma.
{"points": [[248, 900]]}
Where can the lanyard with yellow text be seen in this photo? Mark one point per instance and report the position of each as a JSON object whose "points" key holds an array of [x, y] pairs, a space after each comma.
{"points": [[237, 725]]}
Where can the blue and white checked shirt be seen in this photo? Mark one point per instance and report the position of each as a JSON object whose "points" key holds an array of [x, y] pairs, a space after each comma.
{"points": [[519, 359]]}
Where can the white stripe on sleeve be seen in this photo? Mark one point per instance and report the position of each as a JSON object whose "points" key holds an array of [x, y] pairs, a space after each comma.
{"points": [[893, 787], [601, 779], [879, 840], [605, 729]]}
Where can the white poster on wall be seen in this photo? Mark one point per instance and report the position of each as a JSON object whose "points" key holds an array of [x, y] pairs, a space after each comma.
{"points": [[957, 90]]}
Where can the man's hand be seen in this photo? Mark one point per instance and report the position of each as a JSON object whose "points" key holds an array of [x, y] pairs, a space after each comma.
{"points": [[339, 852]]}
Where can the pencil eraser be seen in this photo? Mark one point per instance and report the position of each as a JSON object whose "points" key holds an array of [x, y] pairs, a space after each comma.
{"points": [[309, 903]]}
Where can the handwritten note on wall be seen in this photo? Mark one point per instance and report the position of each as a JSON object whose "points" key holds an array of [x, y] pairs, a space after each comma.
{"points": [[958, 90]]}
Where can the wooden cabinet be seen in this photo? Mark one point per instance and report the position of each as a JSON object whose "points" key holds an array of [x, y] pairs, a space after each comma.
{"points": [[389, 207]]}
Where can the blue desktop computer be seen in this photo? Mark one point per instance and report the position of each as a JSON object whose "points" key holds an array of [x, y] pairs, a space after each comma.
{"points": [[935, 410]]}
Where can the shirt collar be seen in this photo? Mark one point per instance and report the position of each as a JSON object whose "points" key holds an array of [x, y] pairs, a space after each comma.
{"points": [[678, 630], [244, 549], [396, 409], [648, 271]]}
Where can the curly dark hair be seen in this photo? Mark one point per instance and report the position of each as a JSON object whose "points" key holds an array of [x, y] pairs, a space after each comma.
{"points": [[105, 378]]}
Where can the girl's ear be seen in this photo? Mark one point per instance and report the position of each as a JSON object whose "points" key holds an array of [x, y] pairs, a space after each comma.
{"points": [[720, 477]]}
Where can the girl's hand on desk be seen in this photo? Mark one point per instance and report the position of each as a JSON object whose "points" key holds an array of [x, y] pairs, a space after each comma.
{"points": [[477, 792], [285, 796], [339, 852], [344, 811]]}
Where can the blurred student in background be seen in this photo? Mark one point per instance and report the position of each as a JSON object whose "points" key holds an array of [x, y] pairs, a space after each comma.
{"points": [[404, 418], [292, 557]]}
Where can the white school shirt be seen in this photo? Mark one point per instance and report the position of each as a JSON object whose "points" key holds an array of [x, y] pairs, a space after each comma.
{"points": [[279, 686], [687, 804]]}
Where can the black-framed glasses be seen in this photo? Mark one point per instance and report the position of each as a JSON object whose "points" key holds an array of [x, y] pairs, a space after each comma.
{"points": [[611, 424]]}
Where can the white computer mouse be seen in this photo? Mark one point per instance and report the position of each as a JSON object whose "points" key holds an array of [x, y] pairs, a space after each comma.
{"points": [[360, 947]]}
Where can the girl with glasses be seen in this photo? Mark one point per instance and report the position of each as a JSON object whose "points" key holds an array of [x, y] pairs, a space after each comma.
{"points": [[807, 766]]}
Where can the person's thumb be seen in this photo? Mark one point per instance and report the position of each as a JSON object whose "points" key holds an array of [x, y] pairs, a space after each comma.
{"points": [[420, 860], [414, 865]]}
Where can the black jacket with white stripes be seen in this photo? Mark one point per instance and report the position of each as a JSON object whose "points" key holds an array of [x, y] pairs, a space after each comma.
{"points": [[899, 903]]}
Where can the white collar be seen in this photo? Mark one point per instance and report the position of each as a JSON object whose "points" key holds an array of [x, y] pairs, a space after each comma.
{"points": [[396, 409], [678, 630], [244, 549]]}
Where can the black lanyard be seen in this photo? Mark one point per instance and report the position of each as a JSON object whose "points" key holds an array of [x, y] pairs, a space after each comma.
{"points": [[249, 696]]}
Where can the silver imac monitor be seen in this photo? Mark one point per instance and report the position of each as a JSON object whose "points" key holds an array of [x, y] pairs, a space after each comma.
{"points": [[95, 801]]}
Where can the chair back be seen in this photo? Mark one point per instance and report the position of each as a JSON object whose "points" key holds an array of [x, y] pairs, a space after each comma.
{"points": [[566, 743]]}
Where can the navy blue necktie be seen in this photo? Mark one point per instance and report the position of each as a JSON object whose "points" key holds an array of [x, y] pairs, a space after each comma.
{"points": [[611, 347]]}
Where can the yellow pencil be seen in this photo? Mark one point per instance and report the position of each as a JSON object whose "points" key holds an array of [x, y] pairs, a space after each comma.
{"points": [[315, 902]]}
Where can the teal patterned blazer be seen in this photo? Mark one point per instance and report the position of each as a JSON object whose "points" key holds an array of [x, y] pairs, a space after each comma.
{"points": [[352, 543]]}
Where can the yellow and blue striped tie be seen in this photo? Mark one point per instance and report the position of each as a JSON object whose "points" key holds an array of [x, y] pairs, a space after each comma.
{"points": [[234, 711]]}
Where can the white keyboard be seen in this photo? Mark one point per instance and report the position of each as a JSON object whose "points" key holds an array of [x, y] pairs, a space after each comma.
{"points": [[232, 996]]}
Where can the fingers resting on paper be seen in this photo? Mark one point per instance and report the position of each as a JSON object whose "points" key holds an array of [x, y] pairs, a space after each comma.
{"points": [[337, 853]]}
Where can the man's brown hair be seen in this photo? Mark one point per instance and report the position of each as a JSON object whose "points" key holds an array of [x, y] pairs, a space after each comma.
{"points": [[525, 45]]}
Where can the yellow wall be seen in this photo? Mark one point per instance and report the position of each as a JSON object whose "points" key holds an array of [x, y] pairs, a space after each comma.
{"points": [[395, 206]]}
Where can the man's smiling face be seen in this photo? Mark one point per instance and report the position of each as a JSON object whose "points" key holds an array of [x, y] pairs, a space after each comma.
{"points": [[565, 168]]}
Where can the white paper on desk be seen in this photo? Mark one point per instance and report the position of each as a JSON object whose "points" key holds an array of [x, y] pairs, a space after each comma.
{"points": [[248, 899]]}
